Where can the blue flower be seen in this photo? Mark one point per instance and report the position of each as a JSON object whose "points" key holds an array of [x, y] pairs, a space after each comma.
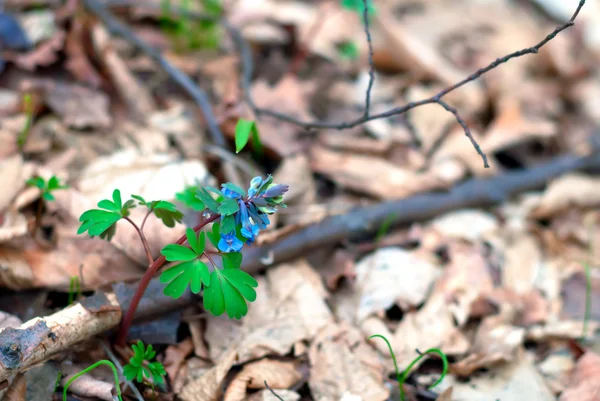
{"points": [[250, 231], [230, 243], [228, 193], [254, 186], [260, 219]]}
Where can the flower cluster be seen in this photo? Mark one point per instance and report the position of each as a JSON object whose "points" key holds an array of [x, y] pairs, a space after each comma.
{"points": [[263, 198]]}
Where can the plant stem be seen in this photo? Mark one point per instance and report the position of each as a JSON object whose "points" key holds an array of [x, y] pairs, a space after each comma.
{"points": [[152, 269], [148, 213], [92, 367], [143, 238]]}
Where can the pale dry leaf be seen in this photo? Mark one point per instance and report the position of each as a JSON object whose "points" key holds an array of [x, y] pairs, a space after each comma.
{"points": [[197, 332], [584, 384], [208, 386], [336, 369], [278, 374], [11, 179], [289, 307], [39, 25], [295, 171], [434, 318], [445, 395], [384, 278], [569, 191], [78, 62], [516, 381], [468, 224], [523, 261], [87, 385], [175, 356], [135, 93], [79, 106], [495, 342], [17, 389], [356, 172], [564, 329], [178, 123], [152, 176], [267, 395], [12, 224], [557, 368]]}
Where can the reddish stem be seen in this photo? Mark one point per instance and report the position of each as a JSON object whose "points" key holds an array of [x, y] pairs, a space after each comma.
{"points": [[143, 238], [139, 292]]}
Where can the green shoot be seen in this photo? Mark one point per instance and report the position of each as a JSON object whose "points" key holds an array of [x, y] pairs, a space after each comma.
{"points": [[92, 367], [385, 227], [141, 365], [28, 108], [243, 130], [47, 188], [74, 289], [402, 378], [358, 6], [348, 50]]}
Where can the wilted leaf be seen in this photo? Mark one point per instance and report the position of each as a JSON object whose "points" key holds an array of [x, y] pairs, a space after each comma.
{"points": [[278, 374]]}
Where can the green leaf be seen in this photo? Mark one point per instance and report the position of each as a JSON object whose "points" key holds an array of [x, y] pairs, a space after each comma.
{"points": [[197, 242], [37, 182], [97, 222], [130, 372], [117, 199], [175, 253], [136, 369], [109, 205], [158, 371], [215, 235], [228, 291], [53, 183], [348, 50], [234, 188], [191, 273], [208, 200], [189, 199], [227, 224], [141, 200], [48, 196], [243, 129], [358, 6], [228, 207], [232, 260], [130, 204], [167, 212]]}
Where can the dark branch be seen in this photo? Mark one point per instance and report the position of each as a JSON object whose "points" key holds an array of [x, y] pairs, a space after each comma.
{"points": [[247, 67], [371, 63]]}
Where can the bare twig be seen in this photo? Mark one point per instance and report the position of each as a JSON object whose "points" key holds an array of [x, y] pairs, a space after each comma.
{"points": [[437, 98], [371, 63]]}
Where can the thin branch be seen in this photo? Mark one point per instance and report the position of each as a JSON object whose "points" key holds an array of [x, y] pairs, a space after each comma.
{"points": [[148, 213], [144, 240], [371, 63], [247, 68]]}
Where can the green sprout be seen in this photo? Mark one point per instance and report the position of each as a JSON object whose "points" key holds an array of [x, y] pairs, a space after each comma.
{"points": [[47, 188], [92, 367], [348, 50], [28, 107], [74, 289], [141, 365], [402, 378], [195, 33], [385, 227]]}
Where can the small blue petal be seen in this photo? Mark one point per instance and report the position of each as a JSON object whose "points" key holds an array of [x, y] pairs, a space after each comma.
{"points": [[224, 246], [275, 191], [228, 193], [236, 245]]}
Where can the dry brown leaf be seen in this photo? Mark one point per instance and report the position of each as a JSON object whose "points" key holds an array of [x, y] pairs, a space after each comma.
{"points": [[17, 389], [386, 277], [445, 395], [11, 179], [78, 62], [584, 384], [267, 395], [495, 342], [208, 386], [12, 224], [574, 294], [356, 172], [557, 368], [468, 224], [175, 356], [197, 332], [563, 329], [289, 97], [569, 191], [337, 367], [278, 374], [515, 381], [523, 261], [43, 55], [295, 171], [340, 266], [134, 93], [289, 307]]}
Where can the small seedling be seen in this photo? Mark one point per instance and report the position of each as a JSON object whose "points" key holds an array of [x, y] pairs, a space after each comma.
{"points": [[74, 289], [28, 108], [47, 188], [348, 51], [90, 368], [141, 365], [402, 377], [189, 33]]}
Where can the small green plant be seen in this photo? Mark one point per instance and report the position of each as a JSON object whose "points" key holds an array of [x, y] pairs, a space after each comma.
{"points": [[348, 50], [141, 365], [237, 217], [245, 129], [74, 289], [189, 33], [402, 377], [28, 108], [47, 188], [90, 368]]}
